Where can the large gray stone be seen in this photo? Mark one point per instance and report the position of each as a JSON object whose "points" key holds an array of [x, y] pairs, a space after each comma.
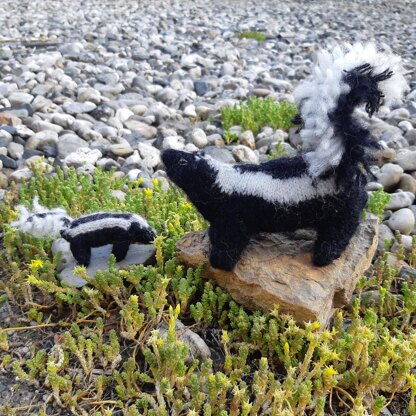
{"points": [[277, 270]]}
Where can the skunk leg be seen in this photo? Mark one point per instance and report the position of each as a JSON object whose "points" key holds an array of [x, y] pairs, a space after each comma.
{"points": [[333, 238], [120, 250], [228, 240], [82, 253]]}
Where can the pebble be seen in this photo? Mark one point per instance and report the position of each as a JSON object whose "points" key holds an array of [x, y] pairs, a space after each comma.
{"points": [[137, 254], [220, 154], [410, 136], [384, 234], [8, 162], [389, 175], [21, 175], [406, 159], [400, 200], [15, 150], [121, 149], [189, 111], [141, 128], [407, 243], [244, 154], [78, 108], [149, 154], [42, 138], [17, 98], [406, 126], [407, 183], [19, 111], [199, 138], [69, 143], [402, 220], [89, 94], [40, 125], [201, 87], [173, 142], [82, 156], [247, 139]]}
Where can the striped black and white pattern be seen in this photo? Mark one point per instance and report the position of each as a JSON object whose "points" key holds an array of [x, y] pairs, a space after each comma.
{"points": [[42, 222], [102, 228], [246, 181], [99, 221], [241, 201]]}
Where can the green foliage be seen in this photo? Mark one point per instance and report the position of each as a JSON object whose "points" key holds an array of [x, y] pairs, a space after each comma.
{"points": [[377, 203], [260, 37], [111, 356], [257, 113]]}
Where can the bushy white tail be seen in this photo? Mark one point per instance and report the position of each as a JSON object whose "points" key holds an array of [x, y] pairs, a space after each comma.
{"points": [[319, 97]]}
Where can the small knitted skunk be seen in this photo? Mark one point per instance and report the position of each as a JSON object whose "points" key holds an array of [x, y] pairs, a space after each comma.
{"points": [[101, 228], [324, 188], [42, 222]]}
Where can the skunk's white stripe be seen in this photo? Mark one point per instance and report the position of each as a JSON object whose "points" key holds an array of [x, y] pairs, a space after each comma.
{"points": [[95, 225], [105, 223], [277, 191], [319, 96]]}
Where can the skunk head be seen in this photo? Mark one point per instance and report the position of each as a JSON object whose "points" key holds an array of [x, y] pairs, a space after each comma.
{"points": [[187, 170], [144, 235]]}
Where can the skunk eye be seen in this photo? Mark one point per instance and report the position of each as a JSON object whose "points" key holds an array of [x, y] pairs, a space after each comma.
{"points": [[183, 162]]}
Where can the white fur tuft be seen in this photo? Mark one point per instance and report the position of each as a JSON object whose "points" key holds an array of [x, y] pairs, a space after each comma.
{"points": [[48, 224], [319, 95]]}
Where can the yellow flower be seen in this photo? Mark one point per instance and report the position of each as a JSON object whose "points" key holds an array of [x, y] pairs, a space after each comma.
{"points": [[148, 192], [315, 326], [187, 205], [330, 371], [286, 348], [35, 264]]}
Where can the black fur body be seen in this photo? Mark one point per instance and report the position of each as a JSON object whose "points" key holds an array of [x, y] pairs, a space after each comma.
{"points": [[99, 229], [235, 218]]}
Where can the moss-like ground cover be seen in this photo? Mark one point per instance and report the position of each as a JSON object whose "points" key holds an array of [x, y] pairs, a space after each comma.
{"points": [[108, 357], [255, 114]]}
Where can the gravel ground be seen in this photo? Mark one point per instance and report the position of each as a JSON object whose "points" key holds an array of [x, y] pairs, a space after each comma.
{"points": [[112, 83]]}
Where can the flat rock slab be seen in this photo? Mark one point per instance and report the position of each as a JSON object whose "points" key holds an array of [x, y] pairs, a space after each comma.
{"points": [[137, 254], [277, 269]]}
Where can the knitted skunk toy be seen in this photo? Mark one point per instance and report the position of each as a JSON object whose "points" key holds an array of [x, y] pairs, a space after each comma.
{"points": [[101, 228], [42, 222], [324, 188]]}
